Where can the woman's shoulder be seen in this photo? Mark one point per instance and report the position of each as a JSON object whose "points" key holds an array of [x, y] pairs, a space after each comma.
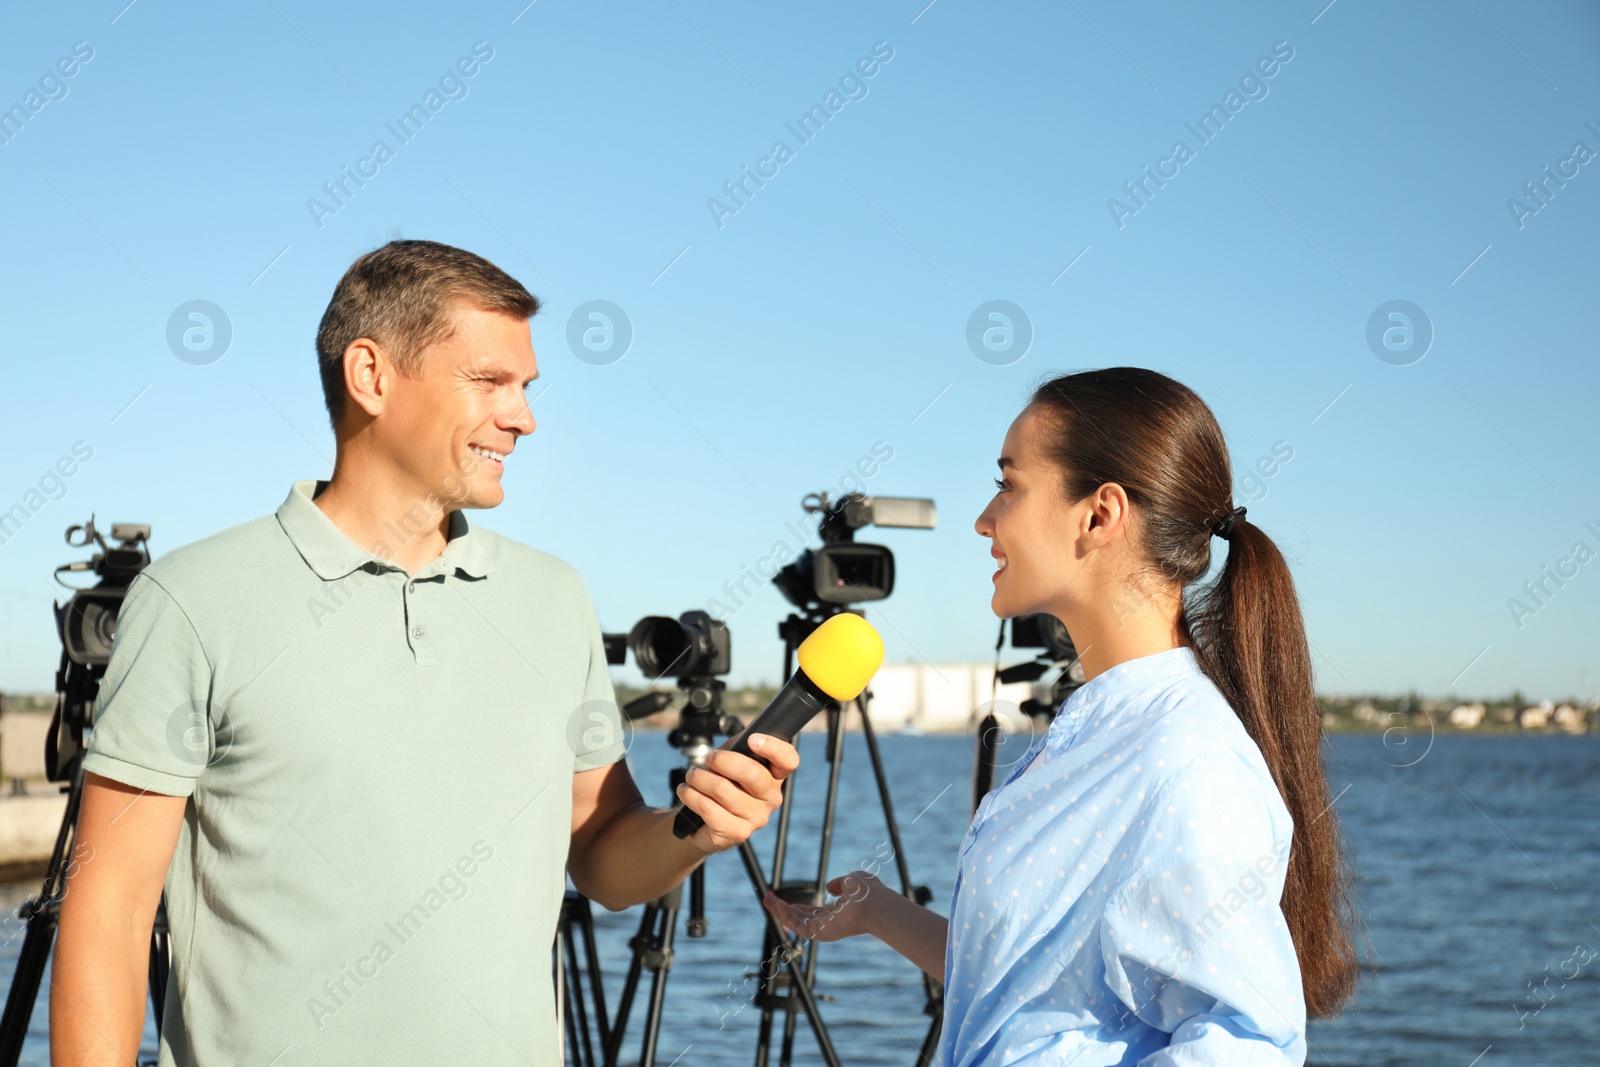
{"points": [[1192, 738]]}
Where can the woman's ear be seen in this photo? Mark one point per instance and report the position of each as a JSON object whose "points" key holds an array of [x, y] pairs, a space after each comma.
{"points": [[1107, 515]]}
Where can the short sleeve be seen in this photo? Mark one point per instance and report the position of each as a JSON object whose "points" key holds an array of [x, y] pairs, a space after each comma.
{"points": [[152, 725], [595, 732], [1194, 939]]}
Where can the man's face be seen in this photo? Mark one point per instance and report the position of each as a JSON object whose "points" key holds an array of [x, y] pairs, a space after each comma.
{"points": [[453, 429]]}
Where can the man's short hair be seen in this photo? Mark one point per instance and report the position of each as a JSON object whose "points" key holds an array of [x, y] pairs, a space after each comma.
{"points": [[404, 296]]}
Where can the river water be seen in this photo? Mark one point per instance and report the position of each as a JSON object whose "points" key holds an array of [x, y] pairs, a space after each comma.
{"points": [[1478, 856]]}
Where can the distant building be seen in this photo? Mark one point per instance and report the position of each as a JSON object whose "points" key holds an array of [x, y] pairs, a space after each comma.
{"points": [[943, 697], [1467, 716], [1535, 718], [1569, 718]]}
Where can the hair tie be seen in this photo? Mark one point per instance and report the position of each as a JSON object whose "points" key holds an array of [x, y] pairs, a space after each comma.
{"points": [[1223, 528]]}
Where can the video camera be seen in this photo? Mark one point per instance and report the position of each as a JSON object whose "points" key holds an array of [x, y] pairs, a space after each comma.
{"points": [[843, 571]]}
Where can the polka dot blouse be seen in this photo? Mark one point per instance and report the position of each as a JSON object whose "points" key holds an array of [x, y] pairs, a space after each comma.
{"points": [[1116, 899]]}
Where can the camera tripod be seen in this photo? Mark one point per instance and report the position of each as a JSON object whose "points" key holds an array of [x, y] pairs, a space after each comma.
{"points": [[787, 972], [76, 687], [85, 624]]}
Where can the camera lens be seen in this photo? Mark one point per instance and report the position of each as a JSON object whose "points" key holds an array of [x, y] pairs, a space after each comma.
{"points": [[661, 646], [91, 625], [694, 643]]}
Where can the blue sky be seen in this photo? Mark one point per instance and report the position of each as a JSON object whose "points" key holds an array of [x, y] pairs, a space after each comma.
{"points": [[774, 346]]}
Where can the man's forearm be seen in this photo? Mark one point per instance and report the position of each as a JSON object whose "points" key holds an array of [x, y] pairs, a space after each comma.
{"points": [[97, 991], [910, 929], [636, 858]]}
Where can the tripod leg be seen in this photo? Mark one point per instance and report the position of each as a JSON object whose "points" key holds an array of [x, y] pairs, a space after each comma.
{"points": [[596, 982], [160, 962], [565, 1031], [42, 914], [659, 960], [569, 984], [36, 945], [811, 949], [934, 990], [652, 949], [630, 984], [930, 1044], [790, 953]]}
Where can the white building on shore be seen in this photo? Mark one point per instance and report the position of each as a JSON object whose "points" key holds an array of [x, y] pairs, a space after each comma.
{"points": [[942, 697]]}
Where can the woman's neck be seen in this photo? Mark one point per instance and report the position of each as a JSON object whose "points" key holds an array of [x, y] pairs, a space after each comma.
{"points": [[1126, 625]]}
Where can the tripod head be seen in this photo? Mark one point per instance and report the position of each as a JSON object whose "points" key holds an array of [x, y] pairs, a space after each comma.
{"points": [[702, 719], [1044, 632]]}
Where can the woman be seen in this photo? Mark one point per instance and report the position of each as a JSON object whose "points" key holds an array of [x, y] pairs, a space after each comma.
{"points": [[1160, 879]]}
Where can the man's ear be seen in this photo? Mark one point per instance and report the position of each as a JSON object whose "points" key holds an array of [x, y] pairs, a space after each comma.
{"points": [[368, 375]]}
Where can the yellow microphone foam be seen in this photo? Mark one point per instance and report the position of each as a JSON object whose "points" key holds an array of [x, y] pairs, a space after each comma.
{"points": [[842, 655]]}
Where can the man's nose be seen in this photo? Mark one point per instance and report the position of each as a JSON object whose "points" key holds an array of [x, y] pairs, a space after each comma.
{"points": [[521, 420]]}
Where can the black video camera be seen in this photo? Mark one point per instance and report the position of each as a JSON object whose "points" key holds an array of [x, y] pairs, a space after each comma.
{"points": [[87, 624], [843, 571]]}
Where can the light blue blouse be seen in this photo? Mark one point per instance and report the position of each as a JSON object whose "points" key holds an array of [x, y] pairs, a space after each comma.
{"points": [[1116, 899]]}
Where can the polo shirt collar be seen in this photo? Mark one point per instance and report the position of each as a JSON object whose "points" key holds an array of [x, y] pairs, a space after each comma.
{"points": [[331, 553]]}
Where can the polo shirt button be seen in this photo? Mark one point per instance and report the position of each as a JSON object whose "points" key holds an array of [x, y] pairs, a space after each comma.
{"points": [[416, 631]]}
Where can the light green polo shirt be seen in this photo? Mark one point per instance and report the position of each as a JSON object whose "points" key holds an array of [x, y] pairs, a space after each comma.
{"points": [[372, 861]]}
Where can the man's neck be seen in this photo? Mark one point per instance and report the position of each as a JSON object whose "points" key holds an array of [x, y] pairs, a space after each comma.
{"points": [[406, 528]]}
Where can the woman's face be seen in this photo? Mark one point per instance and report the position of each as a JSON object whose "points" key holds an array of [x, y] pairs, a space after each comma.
{"points": [[1032, 526]]}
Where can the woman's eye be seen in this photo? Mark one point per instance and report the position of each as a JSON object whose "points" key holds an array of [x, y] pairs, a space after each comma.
{"points": [[1001, 484]]}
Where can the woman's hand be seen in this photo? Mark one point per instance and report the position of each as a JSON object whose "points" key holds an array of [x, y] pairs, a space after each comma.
{"points": [[848, 913]]}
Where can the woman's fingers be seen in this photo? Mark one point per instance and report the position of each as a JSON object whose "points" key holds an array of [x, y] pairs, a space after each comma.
{"points": [[853, 885], [840, 916], [787, 914], [806, 920], [777, 909]]}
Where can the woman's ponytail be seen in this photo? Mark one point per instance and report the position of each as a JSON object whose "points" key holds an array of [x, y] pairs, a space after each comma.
{"points": [[1251, 642]]}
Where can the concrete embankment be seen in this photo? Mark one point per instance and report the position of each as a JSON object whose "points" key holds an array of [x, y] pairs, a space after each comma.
{"points": [[28, 828], [31, 807]]}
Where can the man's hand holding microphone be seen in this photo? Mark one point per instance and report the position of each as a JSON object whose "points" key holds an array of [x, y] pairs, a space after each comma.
{"points": [[737, 790]]}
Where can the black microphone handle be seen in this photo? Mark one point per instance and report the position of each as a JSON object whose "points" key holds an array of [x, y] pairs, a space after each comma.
{"points": [[796, 704]]}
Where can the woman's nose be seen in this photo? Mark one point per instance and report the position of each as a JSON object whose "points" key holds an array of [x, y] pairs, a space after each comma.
{"points": [[984, 525]]}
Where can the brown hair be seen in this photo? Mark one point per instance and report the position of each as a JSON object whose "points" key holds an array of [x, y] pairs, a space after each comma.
{"points": [[404, 296], [1159, 441]]}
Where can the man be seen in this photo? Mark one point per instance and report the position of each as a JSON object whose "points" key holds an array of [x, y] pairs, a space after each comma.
{"points": [[369, 739]]}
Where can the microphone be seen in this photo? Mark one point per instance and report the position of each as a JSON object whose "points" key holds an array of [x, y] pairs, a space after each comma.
{"points": [[836, 663]]}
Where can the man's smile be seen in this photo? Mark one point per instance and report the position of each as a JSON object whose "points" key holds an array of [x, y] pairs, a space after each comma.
{"points": [[485, 452]]}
